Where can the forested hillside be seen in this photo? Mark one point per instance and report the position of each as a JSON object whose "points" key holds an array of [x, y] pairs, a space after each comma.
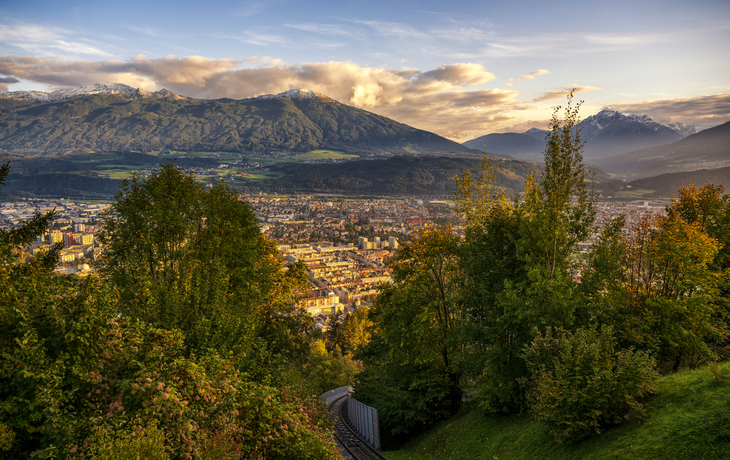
{"points": [[148, 122]]}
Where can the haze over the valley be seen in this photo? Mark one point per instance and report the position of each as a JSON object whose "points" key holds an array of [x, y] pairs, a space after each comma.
{"points": [[458, 69]]}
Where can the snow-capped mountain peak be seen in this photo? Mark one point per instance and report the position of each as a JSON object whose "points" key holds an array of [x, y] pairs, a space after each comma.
{"points": [[88, 90], [683, 129], [536, 133], [299, 93], [594, 124]]}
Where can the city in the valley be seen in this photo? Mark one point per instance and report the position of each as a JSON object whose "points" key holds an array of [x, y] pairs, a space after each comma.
{"points": [[346, 243]]}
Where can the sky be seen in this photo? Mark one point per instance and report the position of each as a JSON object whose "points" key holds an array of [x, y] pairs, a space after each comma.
{"points": [[460, 69]]}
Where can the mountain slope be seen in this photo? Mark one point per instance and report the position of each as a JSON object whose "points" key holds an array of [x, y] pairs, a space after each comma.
{"points": [[666, 185], [606, 133], [610, 133], [511, 144], [128, 119], [707, 149]]}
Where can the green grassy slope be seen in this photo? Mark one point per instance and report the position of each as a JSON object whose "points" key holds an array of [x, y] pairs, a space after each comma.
{"points": [[688, 419]]}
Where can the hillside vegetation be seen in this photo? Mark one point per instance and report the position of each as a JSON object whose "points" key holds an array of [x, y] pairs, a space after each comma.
{"points": [[517, 319], [166, 121], [688, 419], [708, 149]]}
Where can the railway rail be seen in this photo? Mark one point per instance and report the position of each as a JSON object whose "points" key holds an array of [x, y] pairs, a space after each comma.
{"points": [[354, 446]]}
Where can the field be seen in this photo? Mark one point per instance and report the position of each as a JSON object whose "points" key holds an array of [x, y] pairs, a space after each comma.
{"points": [[635, 193], [326, 155]]}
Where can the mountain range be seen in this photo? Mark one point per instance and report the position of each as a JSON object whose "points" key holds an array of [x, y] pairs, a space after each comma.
{"points": [[708, 149], [607, 133], [119, 117]]}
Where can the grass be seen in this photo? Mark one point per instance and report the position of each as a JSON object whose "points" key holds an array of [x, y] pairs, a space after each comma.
{"points": [[688, 419], [326, 155], [638, 192], [313, 155], [256, 175], [116, 174]]}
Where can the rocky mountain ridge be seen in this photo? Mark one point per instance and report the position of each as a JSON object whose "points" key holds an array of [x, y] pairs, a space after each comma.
{"points": [[119, 117]]}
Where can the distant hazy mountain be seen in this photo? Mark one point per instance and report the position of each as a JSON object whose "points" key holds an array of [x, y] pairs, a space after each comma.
{"points": [[512, 144], [536, 133], [610, 133], [707, 149], [606, 133], [119, 117], [666, 185]]}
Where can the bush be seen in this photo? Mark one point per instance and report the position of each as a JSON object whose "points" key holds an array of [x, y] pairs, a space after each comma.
{"points": [[140, 443], [580, 383], [77, 380]]}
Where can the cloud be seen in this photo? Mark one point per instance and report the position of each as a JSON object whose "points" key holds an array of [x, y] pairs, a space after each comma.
{"points": [[324, 29], [141, 72], [393, 29], [43, 40], [262, 39], [5, 81], [442, 99], [701, 111], [621, 40], [252, 8], [532, 75], [564, 91]]}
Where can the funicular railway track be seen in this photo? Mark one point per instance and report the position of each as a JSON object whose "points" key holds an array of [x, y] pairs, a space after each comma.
{"points": [[355, 448]]}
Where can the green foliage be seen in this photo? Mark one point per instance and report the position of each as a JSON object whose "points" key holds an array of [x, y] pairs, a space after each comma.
{"points": [[410, 374], [78, 379], [580, 383], [326, 370], [70, 366], [146, 443], [7, 436], [188, 257], [656, 286], [688, 419], [518, 262], [349, 332]]}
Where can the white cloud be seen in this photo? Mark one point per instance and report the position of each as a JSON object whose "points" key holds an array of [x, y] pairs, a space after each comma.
{"points": [[441, 100], [325, 29], [563, 92], [42, 40], [701, 111], [532, 75]]}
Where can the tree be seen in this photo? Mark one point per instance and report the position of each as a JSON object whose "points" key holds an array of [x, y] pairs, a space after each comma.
{"points": [[190, 257], [13, 241], [79, 380], [655, 285], [326, 370], [349, 332], [410, 362], [709, 208], [518, 258]]}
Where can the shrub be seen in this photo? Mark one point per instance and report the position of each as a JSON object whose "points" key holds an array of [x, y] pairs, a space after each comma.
{"points": [[77, 380], [580, 383], [139, 443]]}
